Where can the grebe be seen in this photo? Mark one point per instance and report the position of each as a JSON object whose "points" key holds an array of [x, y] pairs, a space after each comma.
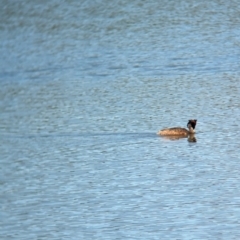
{"points": [[177, 131]]}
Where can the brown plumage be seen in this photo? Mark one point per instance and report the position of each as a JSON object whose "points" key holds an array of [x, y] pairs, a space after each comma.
{"points": [[178, 131]]}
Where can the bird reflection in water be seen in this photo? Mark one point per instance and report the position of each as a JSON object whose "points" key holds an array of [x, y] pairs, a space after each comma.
{"points": [[190, 137]]}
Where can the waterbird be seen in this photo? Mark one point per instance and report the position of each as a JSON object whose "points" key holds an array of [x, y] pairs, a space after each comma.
{"points": [[178, 131]]}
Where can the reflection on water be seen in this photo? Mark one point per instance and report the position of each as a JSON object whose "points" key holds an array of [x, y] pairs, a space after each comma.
{"points": [[85, 85], [190, 138]]}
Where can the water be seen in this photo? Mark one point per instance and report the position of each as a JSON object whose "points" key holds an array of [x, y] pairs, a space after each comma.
{"points": [[85, 86]]}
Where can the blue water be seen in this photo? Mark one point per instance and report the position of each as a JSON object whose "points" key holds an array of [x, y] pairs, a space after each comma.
{"points": [[85, 86]]}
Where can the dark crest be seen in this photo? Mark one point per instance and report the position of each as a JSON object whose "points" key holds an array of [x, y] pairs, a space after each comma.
{"points": [[193, 123]]}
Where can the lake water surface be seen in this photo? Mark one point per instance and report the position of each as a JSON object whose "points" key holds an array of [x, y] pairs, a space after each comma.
{"points": [[85, 86]]}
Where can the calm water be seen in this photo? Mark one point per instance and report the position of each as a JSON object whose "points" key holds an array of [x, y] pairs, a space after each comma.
{"points": [[85, 86]]}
